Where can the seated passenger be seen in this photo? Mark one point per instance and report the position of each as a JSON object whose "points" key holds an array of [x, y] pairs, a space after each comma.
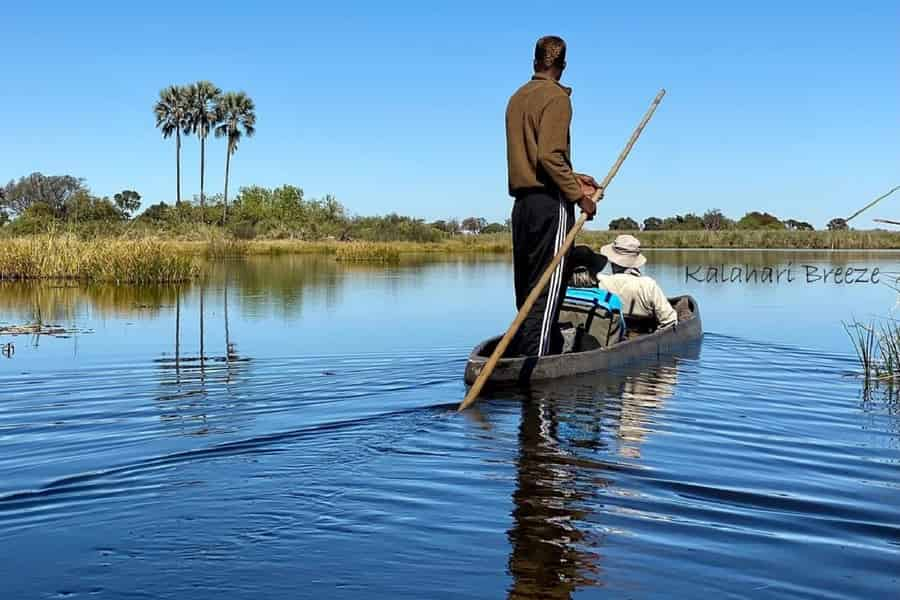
{"points": [[585, 265], [594, 315], [641, 296]]}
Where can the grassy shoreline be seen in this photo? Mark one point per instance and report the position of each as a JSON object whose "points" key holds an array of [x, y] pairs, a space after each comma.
{"points": [[499, 243], [152, 259]]}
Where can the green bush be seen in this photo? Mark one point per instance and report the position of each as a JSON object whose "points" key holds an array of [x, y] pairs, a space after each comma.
{"points": [[624, 224], [758, 220]]}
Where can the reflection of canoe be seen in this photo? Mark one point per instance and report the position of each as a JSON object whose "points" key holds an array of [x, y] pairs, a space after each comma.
{"points": [[521, 370]]}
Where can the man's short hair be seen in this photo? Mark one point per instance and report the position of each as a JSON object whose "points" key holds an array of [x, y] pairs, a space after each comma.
{"points": [[549, 52]]}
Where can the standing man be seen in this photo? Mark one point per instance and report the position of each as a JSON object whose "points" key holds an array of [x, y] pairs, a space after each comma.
{"points": [[546, 190]]}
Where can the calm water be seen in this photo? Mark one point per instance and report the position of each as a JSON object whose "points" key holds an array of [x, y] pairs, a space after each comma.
{"points": [[315, 453]]}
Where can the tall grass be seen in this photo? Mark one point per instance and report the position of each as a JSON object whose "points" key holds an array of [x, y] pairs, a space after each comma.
{"points": [[501, 243], [889, 345], [368, 252], [214, 242], [218, 245], [66, 257], [143, 258], [877, 347]]}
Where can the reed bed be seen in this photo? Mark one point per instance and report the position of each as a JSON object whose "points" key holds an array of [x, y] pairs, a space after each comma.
{"points": [[114, 260], [501, 243], [877, 347], [368, 252], [220, 246], [486, 244], [152, 259]]}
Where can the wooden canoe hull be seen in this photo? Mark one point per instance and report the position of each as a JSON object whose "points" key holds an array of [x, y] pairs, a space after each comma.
{"points": [[522, 370]]}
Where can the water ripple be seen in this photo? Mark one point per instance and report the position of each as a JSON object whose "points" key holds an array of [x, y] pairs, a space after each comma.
{"points": [[358, 464]]}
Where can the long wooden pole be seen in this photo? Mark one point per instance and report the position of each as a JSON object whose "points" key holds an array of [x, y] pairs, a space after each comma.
{"points": [[872, 203], [472, 396]]}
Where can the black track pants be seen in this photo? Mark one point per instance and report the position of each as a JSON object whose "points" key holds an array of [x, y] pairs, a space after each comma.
{"points": [[540, 222]]}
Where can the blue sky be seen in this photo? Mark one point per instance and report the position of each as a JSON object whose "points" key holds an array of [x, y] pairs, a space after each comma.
{"points": [[789, 107]]}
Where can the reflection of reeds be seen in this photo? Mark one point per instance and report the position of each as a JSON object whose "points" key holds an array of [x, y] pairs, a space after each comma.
{"points": [[45, 302], [877, 348], [66, 257]]}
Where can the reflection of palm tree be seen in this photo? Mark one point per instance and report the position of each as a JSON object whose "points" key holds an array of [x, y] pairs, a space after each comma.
{"points": [[185, 400], [227, 336], [229, 350], [177, 334], [202, 355]]}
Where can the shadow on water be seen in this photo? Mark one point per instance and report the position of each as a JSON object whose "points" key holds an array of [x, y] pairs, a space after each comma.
{"points": [[574, 436]]}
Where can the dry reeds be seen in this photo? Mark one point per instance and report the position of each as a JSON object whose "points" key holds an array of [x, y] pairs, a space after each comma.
{"points": [[368, 252], [220, 246], [66, 257]]}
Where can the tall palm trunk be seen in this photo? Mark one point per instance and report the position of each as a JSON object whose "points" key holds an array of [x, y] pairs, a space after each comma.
{"points": [[177, 167], [227, 169]]}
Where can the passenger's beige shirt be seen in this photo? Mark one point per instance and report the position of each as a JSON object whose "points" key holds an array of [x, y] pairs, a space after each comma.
{"points": [[641, 296]]}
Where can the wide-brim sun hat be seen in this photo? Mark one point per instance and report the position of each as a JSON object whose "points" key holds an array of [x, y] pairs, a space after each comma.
{"points": [[625, 251]]}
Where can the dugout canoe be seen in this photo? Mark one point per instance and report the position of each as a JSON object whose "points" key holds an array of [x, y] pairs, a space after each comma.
{"points": [[522, 370]]}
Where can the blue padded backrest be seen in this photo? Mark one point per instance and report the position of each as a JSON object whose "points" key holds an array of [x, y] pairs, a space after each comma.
{"points": [[596, 297]]}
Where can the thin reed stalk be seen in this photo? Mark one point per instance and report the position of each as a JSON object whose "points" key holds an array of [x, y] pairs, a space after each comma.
{"points": [[877, 348]]}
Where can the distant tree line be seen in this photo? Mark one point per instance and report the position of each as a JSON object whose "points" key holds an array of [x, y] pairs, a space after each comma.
{"points": [[714, 220], [38, 203], [35, 202]]}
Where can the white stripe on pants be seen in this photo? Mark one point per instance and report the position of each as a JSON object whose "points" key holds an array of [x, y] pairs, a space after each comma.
{"points": [[555, 282]]}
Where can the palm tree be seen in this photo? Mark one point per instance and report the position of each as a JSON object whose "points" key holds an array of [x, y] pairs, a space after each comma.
{"points": [[204, 96], [172, 116], [236, 112]]}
